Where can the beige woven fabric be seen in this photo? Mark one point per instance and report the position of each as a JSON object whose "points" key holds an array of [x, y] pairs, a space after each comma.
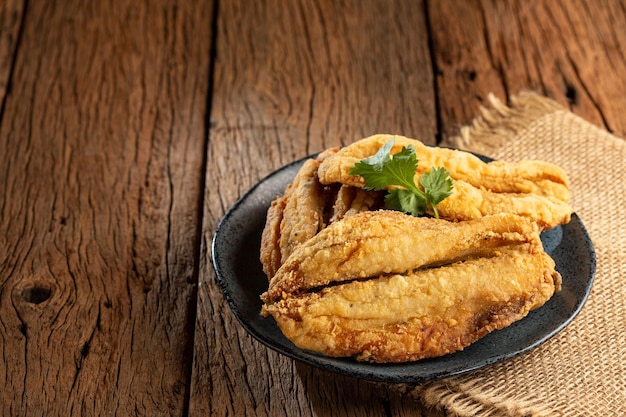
{"points": [[582, 370]]}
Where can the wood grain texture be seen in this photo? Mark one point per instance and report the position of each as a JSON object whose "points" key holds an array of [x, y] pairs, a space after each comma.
{"points": [[569, 50], [11, 15], [102, 140], [292, 78]]}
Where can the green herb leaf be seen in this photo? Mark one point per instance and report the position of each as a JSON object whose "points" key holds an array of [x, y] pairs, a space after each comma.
{"points": [[396, 174], [406, 201], [380, 171], [437, 184]]}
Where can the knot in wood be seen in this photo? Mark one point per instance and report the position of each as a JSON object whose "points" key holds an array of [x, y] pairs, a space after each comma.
{"points": [[33, 291], [36, 294]]}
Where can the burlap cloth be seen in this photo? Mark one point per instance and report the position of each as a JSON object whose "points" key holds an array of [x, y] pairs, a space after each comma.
{"points": [[582, 370]]}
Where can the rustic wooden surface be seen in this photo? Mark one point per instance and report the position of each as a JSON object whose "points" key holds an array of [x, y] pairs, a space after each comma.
{"points": [[103, 140], [128, 128]]}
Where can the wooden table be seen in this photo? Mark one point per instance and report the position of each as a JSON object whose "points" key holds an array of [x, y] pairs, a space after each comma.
{"points": [[128, 128]]}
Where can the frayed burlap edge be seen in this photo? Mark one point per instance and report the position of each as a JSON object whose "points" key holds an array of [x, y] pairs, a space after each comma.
{"points": [[500, 121], [472, 397]]}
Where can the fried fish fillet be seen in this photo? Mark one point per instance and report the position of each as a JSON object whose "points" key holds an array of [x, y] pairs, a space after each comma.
{"points": [[535, 189], [300, 213], [468, 202], [384, 242], [349, 279], [296, 216], [425, 313], [353, 200], [532, 189], [530, 176], [270, 253], [292, 218]]}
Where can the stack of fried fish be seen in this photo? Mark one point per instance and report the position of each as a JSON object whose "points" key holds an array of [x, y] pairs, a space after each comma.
{"points": [[350, 278]]}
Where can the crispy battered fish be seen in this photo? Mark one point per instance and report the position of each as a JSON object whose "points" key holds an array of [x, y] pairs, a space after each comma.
{"points": [[353, 200], [383, 242], [349, 279], [530, 176], [301, 212], [292, 218], [323, 193], [270, 254], [535, 189], [422, 314], [468, 202]]}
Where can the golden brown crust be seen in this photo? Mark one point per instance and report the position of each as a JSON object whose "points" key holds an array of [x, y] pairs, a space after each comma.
{"points": [[383, 242], [468, 202], [293, 218], [343, 202], [270, 255], [304, 207], [535, 189], [348, 279], [354, 200], [531, 176], [423, 314]]}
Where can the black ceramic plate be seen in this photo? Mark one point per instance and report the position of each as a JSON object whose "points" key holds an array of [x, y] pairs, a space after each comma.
{"points": [[239, 274]]}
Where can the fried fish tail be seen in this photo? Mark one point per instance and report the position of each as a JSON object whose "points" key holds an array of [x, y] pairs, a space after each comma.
{"points": [[422, 314]]}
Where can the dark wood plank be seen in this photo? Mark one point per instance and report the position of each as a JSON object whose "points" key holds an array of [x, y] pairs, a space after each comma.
{"points": [[292, 78], [11, 14], [571, 51], [101, 170]]}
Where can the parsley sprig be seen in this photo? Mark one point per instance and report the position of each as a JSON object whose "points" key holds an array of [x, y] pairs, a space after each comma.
{"points": [[396, 175]]}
